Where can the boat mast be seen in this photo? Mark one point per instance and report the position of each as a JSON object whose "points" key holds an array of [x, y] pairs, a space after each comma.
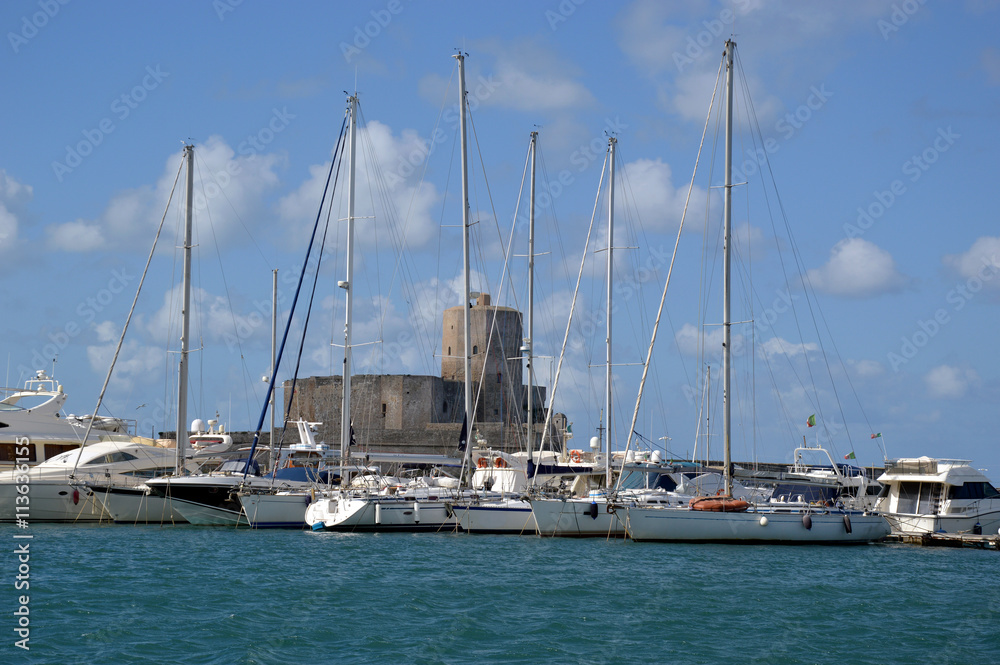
{"points": [[612, 142], [465, 253], [529, 341], [727, 276], [347, 284], [182, 368], [274, 342]]}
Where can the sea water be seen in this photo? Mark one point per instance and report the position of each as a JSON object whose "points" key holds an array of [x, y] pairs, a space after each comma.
{"points": [[183, 594]]}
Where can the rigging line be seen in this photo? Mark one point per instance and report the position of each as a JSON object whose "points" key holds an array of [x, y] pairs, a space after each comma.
{"points": [[804, 280], [666, 284], [229, 298], [128, 319], [312, 295], [222, 190], [505, 274], [291, 313], [569, 323]]}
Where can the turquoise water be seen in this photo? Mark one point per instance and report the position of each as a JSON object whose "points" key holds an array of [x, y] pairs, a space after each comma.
{"points": [[121, 594]]}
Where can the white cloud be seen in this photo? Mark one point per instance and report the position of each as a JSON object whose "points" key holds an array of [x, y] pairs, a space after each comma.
{"points": [[135, 361], [949, 382], [981, 262], [857, 269], [525, 76], [658, 202], [13, 196], [776, 346], [680, 49], [690, 341], [228, 194], [866, 368], [389, 170]]}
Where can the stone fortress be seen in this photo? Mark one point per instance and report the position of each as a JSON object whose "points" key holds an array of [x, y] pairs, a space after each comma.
{"points": [[406, 413]]}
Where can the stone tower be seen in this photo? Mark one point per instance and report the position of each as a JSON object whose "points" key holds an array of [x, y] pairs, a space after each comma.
{"points": [[496, 358]]}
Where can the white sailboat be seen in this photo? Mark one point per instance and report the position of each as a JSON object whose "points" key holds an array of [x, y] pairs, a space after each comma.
{"points": [[418, 506], [729, 520]]}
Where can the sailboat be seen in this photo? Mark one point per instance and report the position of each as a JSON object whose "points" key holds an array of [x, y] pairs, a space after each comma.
{"points": [[723, 518], [425, 504]]}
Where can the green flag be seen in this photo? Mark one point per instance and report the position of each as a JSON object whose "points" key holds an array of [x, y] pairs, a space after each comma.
{"points": [[811, 422], [850, 455]]}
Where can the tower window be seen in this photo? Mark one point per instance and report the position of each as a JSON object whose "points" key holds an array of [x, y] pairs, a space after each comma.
{"points": [[475, 350], [383, 409]]}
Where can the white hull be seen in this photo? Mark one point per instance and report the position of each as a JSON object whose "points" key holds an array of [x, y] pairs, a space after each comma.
{"points": [[684, 525], [51, 501], [287, 510], [511, 516], [201, 514], [132, 505], [989, 523], [381, 514], [575, 518]]}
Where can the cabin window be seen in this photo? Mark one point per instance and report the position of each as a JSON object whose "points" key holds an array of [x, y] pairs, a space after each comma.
{"points": [[53, 449], [973, 491], [8, 452]]}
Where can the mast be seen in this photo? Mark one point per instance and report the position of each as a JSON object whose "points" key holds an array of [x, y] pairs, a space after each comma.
{"points": [[274, 343], [182, 368], [529, 341], [347, 285], [612, 142], [727, 276], [467, 335]]}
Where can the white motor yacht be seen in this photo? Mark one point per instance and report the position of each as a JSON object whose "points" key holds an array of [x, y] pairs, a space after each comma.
{"points": [[925, 495], [32, 428], [56, 489]]}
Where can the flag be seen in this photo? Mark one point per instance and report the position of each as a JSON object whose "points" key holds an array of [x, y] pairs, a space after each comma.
{"points": [[850, 455], [811, 421], [877, 435], [463, 437], [353, 442]]}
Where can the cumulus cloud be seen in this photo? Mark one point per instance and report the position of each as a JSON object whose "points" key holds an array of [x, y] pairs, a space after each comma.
{"points": [[776, 346], [228, 191], [525, 76], [690, 341], [13, 196], [866, 368], [679, 49], [389, 169], [659, 203], [981, 262], [950, 382], [857, 269]]}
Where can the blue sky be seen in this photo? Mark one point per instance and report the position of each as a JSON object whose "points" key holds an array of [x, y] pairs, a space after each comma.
{"points": [[880, 119]]}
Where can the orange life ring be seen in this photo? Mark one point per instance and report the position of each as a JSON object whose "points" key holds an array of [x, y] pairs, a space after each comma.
{"points": [[500, 463], [482, 463], [574, 456]]}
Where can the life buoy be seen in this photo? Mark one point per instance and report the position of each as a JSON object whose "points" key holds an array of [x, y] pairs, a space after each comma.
{"points": [[574, 456], [500, 463], [482, 463]]}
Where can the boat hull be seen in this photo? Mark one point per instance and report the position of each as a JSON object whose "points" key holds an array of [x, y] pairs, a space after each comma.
{"points": [[135, 505], [578, 518], [989, 523], [382, 514], [511, 517], [276, 511], [51, 501], [682, 525]]}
